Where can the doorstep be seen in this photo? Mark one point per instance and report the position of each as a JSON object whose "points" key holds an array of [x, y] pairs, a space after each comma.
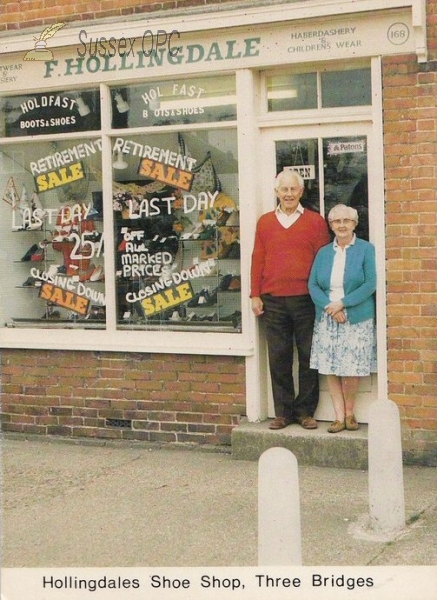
{"points": [[315, 447]]}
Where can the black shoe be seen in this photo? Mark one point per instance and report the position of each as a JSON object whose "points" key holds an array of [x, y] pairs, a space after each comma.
{"points": [[29, 253]]}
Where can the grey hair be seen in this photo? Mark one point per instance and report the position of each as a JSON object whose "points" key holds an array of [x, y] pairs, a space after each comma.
{"points": [[352, 213], [295, 174]]}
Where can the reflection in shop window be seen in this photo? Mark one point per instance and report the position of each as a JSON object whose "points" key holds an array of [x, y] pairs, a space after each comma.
{"points": [[191, 100], [302, 156], [345, 177], [177, 231], [346, 88], [51, 224], [292, 91]]}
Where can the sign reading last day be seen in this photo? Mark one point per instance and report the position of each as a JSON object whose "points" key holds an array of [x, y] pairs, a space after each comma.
{"points": [[64, 298], [60, 177], [169, 298]]}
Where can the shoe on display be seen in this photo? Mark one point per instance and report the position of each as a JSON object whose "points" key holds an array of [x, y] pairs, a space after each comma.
{"points": [[97, 274], [235, 284], [224, 216], [96, 210], [30, 282], [86, 272], [235, 317], [224, 283], [97, 313], [209, 233], [231, 250], [62, 234], [38, 255], [30, 252], [204, 298], [234, 219]]}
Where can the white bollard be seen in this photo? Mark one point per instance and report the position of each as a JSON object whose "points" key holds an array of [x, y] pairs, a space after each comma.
{"points": [[279, 527], [386, 480]]}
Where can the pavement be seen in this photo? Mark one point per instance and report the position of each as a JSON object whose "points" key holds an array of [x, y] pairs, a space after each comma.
{"points": [[120, 504]]}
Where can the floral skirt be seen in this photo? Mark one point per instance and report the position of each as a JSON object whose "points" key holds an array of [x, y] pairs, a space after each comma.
{"points": [[344, 349]]}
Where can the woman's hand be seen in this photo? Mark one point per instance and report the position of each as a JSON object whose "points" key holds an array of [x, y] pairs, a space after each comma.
{"points": [[257, 306], [334, 307], [340, 317]]}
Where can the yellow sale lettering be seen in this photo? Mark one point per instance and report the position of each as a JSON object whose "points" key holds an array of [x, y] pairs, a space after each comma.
{"points": [[168, 298], [166, 174], [62, 176], [64, 298]]}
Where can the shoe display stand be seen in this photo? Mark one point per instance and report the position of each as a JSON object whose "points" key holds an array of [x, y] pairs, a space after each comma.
{"points": [[216, 301]]}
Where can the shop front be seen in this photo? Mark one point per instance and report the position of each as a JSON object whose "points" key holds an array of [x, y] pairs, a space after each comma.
{"points": [[135, 164]]}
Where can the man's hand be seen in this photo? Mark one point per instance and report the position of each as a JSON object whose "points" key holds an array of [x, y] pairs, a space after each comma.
{"points": [[257, 306]]}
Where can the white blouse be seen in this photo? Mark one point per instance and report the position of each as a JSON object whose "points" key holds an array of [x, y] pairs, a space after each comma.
{"points": [[336, 291]]}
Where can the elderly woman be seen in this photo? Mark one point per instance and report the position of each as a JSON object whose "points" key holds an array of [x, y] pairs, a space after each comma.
{"points": [[342, 285]]}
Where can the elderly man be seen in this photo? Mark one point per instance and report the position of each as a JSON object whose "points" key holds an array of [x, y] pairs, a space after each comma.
{"points": [[286, 243]]}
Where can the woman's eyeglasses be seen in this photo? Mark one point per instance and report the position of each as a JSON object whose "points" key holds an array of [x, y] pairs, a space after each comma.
{"points": [[340, 221]]}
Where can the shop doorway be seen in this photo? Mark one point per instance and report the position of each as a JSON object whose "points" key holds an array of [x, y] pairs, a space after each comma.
{"points": [[334, 162]]}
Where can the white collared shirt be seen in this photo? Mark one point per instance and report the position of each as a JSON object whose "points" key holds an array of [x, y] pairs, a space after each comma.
{"points": [[287, 220], [337, 275]]}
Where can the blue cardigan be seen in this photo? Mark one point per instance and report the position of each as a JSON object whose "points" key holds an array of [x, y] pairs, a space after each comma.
{"points": [[359, 280]]}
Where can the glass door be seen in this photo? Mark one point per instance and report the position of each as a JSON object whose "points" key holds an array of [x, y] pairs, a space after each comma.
{"points": [[335, 171], [333, 161]]}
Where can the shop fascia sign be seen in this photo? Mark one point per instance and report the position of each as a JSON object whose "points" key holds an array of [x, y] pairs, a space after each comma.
{"points": [[88, 60]]}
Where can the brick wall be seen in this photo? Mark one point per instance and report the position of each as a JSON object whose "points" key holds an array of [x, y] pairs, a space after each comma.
{"points": [[160, 397], [33, 13], [410, 131]]}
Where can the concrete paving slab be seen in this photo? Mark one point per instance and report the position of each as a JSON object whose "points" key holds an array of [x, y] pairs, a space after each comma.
{"points": [[124, 505], [316, 447]]}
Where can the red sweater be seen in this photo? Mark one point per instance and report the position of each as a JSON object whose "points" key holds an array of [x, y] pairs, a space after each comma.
{"points": [[282, 258]]}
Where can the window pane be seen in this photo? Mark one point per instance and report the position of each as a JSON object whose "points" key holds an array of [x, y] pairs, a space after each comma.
{"points": [[195, 100], [301, 156], [51, 231], [292, 92], [345, 175], [177, 234], [51, 112], [346, 88]]}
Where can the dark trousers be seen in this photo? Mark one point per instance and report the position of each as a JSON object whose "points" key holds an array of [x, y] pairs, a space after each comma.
{"points": [[290, 319]]}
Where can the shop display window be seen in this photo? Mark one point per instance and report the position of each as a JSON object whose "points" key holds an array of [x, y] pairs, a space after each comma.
{"points": [[177, 231], [173, 196], [174, 102], [52, 234]]}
